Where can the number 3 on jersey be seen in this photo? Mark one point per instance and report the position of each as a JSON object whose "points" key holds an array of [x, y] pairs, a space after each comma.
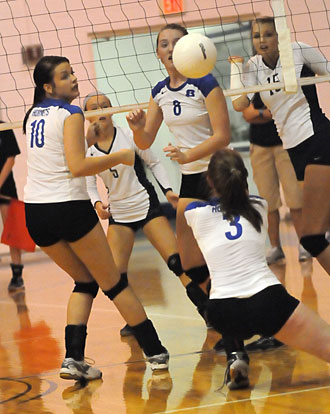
{"points": [[239, 229], [37, 133]]}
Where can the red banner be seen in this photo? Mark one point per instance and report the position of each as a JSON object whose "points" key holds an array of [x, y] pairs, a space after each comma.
{"points": [[172, 6]]}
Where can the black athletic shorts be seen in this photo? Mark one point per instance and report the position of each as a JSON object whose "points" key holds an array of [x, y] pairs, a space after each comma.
{"points": [[314, 150], [264, 313], [70, 221], [154, 211], [195, 186]]}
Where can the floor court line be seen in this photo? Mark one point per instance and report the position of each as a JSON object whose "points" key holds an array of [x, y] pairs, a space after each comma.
{"points": [[251, 399]]}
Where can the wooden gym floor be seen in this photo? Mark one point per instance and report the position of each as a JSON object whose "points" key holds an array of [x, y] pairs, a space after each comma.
{"points": [[32, 347]]}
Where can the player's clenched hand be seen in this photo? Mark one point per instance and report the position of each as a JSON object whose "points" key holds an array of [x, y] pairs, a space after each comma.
{"points": [[102, 210], [235, 59], [136, 119], [175, 154]]}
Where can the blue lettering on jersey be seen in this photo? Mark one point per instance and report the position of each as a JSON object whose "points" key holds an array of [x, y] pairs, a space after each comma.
{"points": [[176, 108], [190, 92], [40, 112], [37, 133], [216, 209], [237, 225]]}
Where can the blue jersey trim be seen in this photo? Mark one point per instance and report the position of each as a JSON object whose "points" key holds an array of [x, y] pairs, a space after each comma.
{"points": [[197, 204], [257, 197], [73, 109], [205, 85], [160, 85]]}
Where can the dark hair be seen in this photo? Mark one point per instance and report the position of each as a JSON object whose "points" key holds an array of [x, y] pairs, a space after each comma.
{"points": [[264, 20], [43, 73], [172, 26], [228, 177]]}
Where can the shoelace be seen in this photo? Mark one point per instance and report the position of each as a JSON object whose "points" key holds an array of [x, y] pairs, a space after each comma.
{"points": [[89, 361], [224, 379]]}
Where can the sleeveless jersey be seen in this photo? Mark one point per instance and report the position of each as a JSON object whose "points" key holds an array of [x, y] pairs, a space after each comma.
{"points": [[234, 251], [297, 116], [185, 114], [49, 179], [129, 191]]}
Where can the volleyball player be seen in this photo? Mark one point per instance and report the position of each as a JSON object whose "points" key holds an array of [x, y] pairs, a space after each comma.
{"points": [[61, 218], [302, 126], [8, 151], [246, 298], [132, 201], [271, 167], [195, 112]]}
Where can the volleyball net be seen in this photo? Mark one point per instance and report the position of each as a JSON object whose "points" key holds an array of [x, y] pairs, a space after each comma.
{"points": [[111, 44]]}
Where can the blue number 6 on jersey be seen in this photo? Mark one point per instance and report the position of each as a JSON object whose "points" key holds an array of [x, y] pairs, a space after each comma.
{"points": [[239, 229]]}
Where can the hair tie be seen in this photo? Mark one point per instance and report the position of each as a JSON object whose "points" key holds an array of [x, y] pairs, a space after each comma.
{"points": [[234, 170]]}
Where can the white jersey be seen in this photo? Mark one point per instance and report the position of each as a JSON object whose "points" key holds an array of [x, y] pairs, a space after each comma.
{"points": [[49, 179], [234, 251], [186, 116], [297, 116], [130, 194]]}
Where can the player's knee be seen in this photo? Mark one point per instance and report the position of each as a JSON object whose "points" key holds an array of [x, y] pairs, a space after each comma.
{"points": [[198, 274], [315, 244], [90, 288], [118, 288], [174, 264]]}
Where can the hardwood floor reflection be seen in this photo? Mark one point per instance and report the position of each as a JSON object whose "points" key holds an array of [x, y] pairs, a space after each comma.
{"points": [[32, 347]]}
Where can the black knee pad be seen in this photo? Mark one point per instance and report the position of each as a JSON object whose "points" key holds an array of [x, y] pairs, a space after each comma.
{"points": [[174, 264], [198, 274], [314, 244], [119, 287], [90, 288]]}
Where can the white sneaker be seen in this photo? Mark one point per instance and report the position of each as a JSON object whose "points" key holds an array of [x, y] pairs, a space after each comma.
{"points": [[275, 256], [159, 361], [303, 254], [76, 370]]}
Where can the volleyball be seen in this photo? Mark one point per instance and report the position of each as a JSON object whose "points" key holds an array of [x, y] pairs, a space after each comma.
{"points": [[194, 55]]}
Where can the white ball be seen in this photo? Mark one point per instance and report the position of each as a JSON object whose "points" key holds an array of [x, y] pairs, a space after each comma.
{"points": [[194, 55]]}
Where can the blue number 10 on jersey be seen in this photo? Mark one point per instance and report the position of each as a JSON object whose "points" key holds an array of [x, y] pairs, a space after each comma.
{"points": [[37, 133]]}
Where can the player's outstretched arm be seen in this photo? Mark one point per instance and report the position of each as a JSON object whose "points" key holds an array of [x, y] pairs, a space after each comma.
{"points": [[74, 148]]}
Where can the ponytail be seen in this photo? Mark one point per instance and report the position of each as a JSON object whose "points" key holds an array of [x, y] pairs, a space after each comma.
{"points": [[228, 177], [39, 96]]}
